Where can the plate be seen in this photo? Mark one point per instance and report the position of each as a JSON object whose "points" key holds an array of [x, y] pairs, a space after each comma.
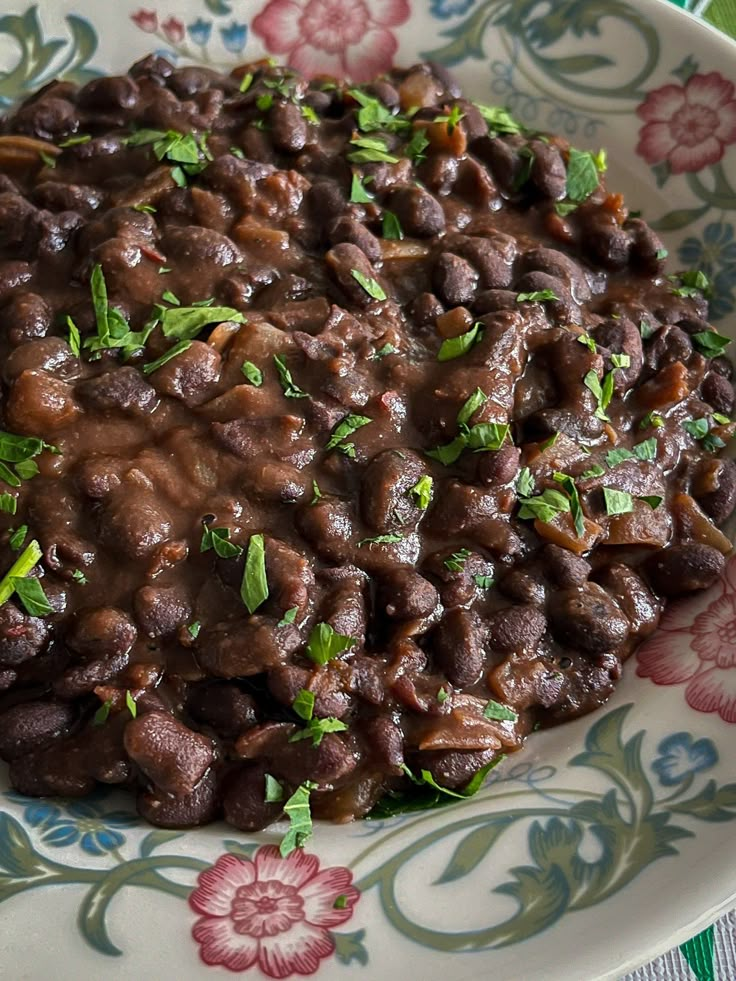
{"points": [[604, 842]]}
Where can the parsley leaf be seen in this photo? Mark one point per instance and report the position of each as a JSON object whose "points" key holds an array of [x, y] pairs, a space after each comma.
{"points": [[582, 174], [274, 792], [422, 492], [253, 373], [300, 819], [539, 296], [471, 405], [456, 562], [219, 540], [525, 483], [499, 119], [358, 193], [370, 150], [417, 145], [290, 389], [545, 506], [653, 500], [391, 227], [499, 713], [694, 282], [179, 348], [18, 537], [303, 704], [617, 501], [185, 323], [30, 592], [372, 287], [254, 587], [324, 643], [698, 428], [317, 729], [710, 343], [288, 617], [74, 338], [455, 347], [483, 582], [18, 573], [576, 510], [346, 427], [101, 715], [193, 629], [8, 503], [380, 540], [131, 704]]}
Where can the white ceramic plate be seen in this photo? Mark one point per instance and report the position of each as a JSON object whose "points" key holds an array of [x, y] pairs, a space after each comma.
{"points": [[607, 840]]}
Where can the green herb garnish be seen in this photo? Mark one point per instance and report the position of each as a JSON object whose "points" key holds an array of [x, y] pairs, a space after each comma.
{"points": [[372, 287], [300, 819], [179, 348], [421, 492], [499, 713], [254, 587], [290, 389], [617, 501], [539, 296], [219, 540], [252, 373], [455, 347], [324, 643]]}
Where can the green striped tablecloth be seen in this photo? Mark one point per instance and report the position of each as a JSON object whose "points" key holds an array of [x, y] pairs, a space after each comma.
{"points": [[710, 956]]}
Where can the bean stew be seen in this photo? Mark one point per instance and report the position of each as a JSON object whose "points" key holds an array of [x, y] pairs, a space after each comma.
{"points": [[349, 435]]}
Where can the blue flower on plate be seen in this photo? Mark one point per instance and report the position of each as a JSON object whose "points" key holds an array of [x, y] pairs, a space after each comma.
{"points": [[450, 8], [681, 757], [717, 248], [85, 823], [234, 37], [722, 302], [200, 31]]}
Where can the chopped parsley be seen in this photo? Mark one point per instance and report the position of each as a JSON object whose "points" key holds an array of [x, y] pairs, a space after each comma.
{"points": [[273, 790], [583, 173], [101, 715], [652, 419], [372, 287], [499, 713], [417, 145], [346, 427], [710, 343], [77, 140], [300, 819], [79, 577], [603, 393], [187, 153], [193, 629], [442, 696], [595, 471], [380, 540], [568, 485], [358, 193], [383, 351], [525, 483], [483, 582], [253, 373], [370, 149], [694, 282], [646, 330], [499, 119], [179, 348], [28, 589], [288, 617], [74, 338], [456, 562], [18, 537], [452, 118], [699, 429], [254, 587], [539, 296], [484, 436], [218, 539], [545, 506], [8, 503], [471, 406], [324, 643], [421, 492], [455, 347], [316, 493], [391, 227], [290, 389], [653, 500], [130, 704], [426, 794], [373, 114], [617, 501]]}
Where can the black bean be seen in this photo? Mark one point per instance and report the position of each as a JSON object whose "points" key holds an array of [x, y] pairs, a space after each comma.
{"points": [[647, 250], [47, 118], [425, 309], [191, 376], [588, 619], [684, 569], [563, 307], [606, 243], [160, 610], [152, 66], [418, 212], [633, 596], [52, 772], [101, 632], [328, 525], [111, 92], [454, 280], [563, 567], [342, 261], [21, 636], [350, 230], [403, 594], [385, 500], [33, 725], [498, 467], [28, 317], [549, 174], [124, 389], [454, 768], [237, 649], [517, 628], [84, 678], [558, 264], [244, 799], [718, 393], [200, 806], [439, 172], [134, 524], [720, 502], [289, 130], [172, 757], [223, 707], [490, 301], [385, 741], [458, 646], [332, 760], [50, 354], [668, 345]]}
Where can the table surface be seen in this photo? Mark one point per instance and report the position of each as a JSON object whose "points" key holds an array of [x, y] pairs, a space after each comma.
{"points": [[710, 956]]}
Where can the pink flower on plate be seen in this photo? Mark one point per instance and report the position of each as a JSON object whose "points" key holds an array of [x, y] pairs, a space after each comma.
{"points": [[147, 20], [696, 646], [688, 126], [333, 37], [174, 30], [271, 912]]}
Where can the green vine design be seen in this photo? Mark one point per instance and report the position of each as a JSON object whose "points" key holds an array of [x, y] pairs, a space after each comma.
{"points": [[40, 60], [632, 826], [633, 830], [536, 31]]}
